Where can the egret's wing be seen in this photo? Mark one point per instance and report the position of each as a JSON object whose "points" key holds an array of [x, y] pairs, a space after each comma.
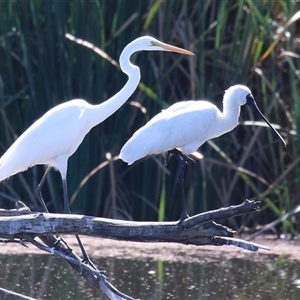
{"points": [[58, 132]]}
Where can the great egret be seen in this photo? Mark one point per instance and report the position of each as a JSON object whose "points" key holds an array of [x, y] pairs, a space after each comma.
{"points": [[53, 138], [185, 126]]}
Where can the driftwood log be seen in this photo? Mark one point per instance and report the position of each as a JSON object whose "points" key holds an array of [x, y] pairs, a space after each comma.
{"points": [[22, 225]]}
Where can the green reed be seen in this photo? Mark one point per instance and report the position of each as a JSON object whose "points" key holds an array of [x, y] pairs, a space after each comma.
{"points": [[40, 68]]}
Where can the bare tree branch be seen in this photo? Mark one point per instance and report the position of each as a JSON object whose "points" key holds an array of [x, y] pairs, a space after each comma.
{"points": [[19, 225], [55, 246], [198, 230]]}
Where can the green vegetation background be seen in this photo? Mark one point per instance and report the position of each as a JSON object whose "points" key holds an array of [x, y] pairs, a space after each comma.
{"points": [[241, 41]]}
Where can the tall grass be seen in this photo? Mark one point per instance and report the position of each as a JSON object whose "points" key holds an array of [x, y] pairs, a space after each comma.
{"points": [[40, 68]]}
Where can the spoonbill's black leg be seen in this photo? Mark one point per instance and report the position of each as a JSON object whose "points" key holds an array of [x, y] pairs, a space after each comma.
{"points": [[180, 181], [67, 210], [179, 155], [183, 161]]}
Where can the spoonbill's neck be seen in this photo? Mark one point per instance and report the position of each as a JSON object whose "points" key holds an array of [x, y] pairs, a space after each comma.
{"points": [[228, 118]]}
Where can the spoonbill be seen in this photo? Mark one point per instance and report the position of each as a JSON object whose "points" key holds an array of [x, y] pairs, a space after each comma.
{"points": [[53, 138], [185, 126]]}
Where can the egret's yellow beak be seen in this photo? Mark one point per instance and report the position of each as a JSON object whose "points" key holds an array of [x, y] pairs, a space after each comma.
{"points": [[171, 48]]}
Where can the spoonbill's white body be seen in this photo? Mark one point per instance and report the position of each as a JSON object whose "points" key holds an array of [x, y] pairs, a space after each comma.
{"points": [[186, 125]]}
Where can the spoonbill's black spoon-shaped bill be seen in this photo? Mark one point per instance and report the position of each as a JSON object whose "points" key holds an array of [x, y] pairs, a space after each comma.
{"points": [[186, 125], [53, 138], [251, 102]]}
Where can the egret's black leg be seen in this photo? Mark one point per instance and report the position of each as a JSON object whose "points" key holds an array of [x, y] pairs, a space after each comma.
{"points": [[68, 211], [38, 191]]}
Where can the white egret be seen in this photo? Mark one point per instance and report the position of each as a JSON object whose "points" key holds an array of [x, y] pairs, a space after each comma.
{"points": [[185, 126], [53, 138]]}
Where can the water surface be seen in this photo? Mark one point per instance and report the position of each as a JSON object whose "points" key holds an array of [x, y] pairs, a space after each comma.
{"points": [[47, 277]]}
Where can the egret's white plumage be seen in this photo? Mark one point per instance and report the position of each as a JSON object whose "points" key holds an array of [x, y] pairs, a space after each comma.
{"points": [[53, 126], [53, 138], [187, 125]]}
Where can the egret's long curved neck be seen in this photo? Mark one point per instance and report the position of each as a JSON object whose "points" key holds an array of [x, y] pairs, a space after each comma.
{"points": [[102, 111]]}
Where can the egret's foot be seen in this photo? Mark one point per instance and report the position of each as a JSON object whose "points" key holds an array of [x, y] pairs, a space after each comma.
{"points": [[86, 258], [58, 241], [87, 261], [183, 217]]}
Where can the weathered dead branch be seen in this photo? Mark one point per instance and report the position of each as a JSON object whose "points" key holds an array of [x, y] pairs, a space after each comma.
{"points": [[58, 247], [19, 225], [198, 230]]}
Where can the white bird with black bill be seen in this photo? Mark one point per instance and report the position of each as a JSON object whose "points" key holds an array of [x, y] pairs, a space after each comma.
{"points": [[185, 126]]}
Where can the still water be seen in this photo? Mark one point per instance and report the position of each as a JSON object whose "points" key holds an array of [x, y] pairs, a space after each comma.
{"points": [[46, 277]]}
